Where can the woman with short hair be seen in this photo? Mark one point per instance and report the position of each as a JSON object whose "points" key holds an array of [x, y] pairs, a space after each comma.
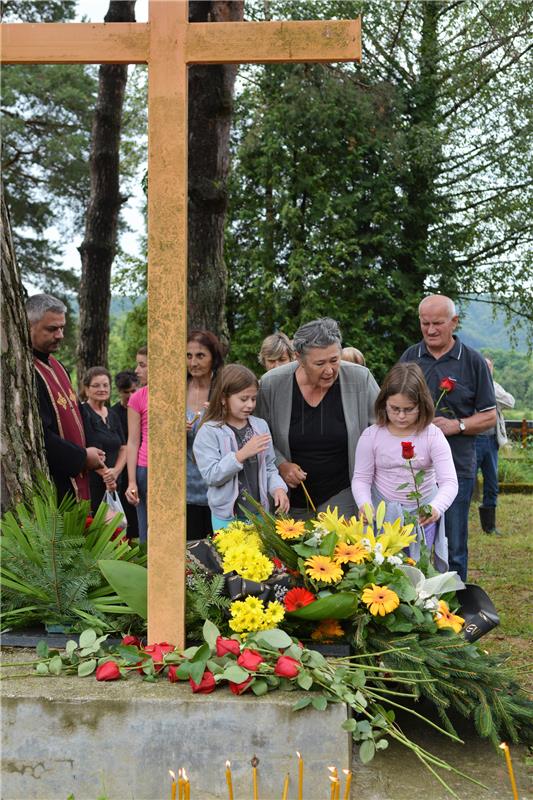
{"points": [[103, 429], [316, 408], [276, 350]]}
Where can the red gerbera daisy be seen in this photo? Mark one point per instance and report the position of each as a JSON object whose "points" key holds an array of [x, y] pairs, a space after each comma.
{"points": [[298, 598]]}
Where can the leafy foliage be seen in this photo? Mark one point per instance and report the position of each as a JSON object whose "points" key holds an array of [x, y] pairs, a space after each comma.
{"points": [[49, 571], [205, 600]]}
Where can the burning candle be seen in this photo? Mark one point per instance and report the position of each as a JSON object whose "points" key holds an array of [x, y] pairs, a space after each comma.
{"points": [[180, 784], [186, 786], [348, 784], [335, 788], [505, 747], [285, 794], [300, 776], [229, 781], [172, 785], [255, 762]]}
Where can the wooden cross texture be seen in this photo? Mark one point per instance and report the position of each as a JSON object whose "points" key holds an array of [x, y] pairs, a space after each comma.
{"points": [[168, 44]]}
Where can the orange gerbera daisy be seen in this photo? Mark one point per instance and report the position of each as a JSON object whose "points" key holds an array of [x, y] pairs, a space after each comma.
{"points": [[354, 553], [445, 619], [323, 568], [380, 599], [298, 598], [327, 630], [289, 528]]}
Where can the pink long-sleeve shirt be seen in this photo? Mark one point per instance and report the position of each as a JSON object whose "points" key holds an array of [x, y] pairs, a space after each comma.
{"points": [[378, 460]]}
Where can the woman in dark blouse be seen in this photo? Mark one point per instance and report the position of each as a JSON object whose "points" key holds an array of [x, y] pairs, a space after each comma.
{"points": [[103, 429]]}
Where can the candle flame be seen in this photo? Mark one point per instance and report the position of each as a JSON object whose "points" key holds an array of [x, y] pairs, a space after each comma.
{"points": [[332, 769], [184, 774], [228, 764], [172, 775], [298, 754], [504, 746], [346, 771]]}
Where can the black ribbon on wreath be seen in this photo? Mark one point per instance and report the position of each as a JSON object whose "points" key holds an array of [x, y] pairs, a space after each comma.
{"points": [[207, 558]]}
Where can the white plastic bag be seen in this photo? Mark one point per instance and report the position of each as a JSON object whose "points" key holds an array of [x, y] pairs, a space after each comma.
{"points": [[112, 500]]}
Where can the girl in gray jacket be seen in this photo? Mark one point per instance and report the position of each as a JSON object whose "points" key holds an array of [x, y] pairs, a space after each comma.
{"points": [[234, 452]]}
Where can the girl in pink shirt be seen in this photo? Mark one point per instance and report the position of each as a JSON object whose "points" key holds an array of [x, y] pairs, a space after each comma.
{"points": [[404, 414], [137, 446]]}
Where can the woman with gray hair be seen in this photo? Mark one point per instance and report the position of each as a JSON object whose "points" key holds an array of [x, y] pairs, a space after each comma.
{"points": [[316, 408]]}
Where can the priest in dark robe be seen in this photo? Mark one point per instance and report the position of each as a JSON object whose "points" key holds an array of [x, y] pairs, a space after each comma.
{"points": [[68, 458]]}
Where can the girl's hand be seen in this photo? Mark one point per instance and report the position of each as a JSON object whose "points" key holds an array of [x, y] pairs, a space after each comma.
{"points": [[292, 474], [362, 514], [132, 495], [257, 444], [433, 517], [281, 501]]}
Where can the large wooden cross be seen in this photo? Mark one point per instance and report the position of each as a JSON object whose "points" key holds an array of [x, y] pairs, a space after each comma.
{"points": [[168, 43]]}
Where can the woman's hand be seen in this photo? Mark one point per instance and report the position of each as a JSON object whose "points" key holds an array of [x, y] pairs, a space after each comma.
{"points": [[362, 514], [433, 517], [281, 501], [257, 444], [132, 494], [292, 474]]}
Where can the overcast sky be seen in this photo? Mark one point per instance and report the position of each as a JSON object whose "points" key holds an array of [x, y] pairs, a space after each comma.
{"points": [[95, 10]]}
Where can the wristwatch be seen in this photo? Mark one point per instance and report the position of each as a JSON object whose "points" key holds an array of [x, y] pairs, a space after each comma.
{"points": [[462, 426]]}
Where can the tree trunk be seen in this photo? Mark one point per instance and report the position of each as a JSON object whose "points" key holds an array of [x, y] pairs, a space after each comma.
{"points": [[210, 109], [20, 429], [100, 242]]}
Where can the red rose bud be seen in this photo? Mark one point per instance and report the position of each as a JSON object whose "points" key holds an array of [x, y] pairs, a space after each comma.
{"points": [[239, 688], [131, 640], [287, 667], [225, 646], [172, 674], [447, 384], [250, 659], [108, 671], [206, 685], [408, 450], [278, 563], [88, 522]]}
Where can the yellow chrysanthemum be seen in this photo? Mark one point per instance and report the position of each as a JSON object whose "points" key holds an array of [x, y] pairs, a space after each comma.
{"points": [[380, 599], [248, 562], [233, 536], [446, 619], [350, 553], [250, 615], [327, 630], [323, 568], [290, 529]]}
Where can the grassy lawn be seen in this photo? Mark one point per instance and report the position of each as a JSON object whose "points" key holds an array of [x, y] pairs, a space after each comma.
{"points": [[503, 566]]}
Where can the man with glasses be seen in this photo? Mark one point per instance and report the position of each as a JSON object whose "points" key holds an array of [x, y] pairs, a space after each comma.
{"points": [[64, 439], [461, 385]]}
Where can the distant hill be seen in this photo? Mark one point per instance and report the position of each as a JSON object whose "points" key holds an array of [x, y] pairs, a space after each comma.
{"points": [[481, 330]]}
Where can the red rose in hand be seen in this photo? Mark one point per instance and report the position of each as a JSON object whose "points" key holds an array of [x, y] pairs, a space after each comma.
{"points": [[250, 659], [225, 646], [206, 685], [239, 688], [108, 671], [157, 651], [298, 598], [447, 384], [287, 667], [408, 450], [131, 640]]}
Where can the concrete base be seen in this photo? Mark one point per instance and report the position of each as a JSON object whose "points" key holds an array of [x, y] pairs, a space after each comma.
{"points": [[68, 735]]}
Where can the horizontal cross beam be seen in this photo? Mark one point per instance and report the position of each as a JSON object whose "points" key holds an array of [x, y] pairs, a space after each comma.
{"points": [[205, 42]]}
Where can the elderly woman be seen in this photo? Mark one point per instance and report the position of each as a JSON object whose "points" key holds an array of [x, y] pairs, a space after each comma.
{"points": [[275, 351], [103, 429], [316, 408]]}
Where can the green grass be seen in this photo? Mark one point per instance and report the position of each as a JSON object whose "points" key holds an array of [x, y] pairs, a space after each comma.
{"points": [[502, 565]]}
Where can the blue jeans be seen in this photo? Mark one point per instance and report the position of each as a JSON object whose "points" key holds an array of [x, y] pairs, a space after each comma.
{"points": [[487, 462], [456, 521], [142, 508]]}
